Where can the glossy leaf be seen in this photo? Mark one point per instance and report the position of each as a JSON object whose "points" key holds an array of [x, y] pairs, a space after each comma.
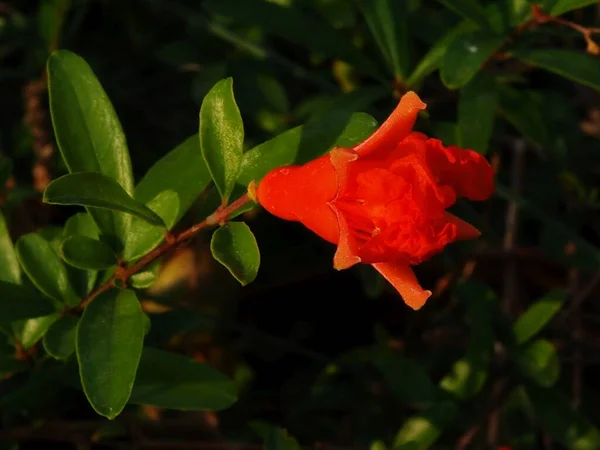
{"points": [[537, 316], [145, 237], [539, 361], [304, 143], [469, 9], [88, 132], [87, 253], [35, 329], [168, 380], [558, 7], [477, 107], [222, 136], [45, 269], [59, 340], [182, 170], [465, 55], [561, 421], [421, 431], [82, 224], [388, 22], [109, 344], [97, 191], [234, 246], [18, 302], [577, 66], [9, 264]]}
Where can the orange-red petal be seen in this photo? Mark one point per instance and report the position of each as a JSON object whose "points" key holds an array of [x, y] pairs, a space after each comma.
{"points": [[396, 127], [402, 277], [464, 230]]}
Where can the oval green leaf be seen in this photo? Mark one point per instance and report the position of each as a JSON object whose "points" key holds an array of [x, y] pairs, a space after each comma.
{"points": [[539, 361], [234, 246], [88, 131], [537, 316], [18, 303], [97, 191], [576, 66], [558, 7], [465, 55], [59, 340], [222, 136], [174, 381], [35, 329], [87, 253], [82, 224], [9, 264], [45, 269], [109, 340]]}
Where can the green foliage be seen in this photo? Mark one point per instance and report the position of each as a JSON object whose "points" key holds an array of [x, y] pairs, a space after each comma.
{"points": [[234, 246]]}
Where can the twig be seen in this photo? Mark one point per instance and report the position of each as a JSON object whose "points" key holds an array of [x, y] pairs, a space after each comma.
{"points": [[123, 273]]}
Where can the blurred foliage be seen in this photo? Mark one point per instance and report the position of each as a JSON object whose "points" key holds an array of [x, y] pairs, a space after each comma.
{"points": [[504, 354]]}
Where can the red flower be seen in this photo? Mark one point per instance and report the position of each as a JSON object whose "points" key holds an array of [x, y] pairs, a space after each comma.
{"points": [[383, 201]]}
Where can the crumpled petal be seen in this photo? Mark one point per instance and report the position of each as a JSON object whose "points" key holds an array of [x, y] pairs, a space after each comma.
{"points": [[464, 230], [396, 127], [401, 276]]}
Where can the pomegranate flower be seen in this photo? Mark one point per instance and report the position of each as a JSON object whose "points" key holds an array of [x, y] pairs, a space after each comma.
{"points": [[383, 202]]}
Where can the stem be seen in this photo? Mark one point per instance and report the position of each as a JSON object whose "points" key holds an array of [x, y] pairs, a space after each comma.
{"points": [[123, 274]]}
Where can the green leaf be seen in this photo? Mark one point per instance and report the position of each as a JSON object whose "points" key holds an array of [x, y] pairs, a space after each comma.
{"points": [[279, 439], [424, 429], [9, 264], [145, 237], [97, 191], [388, 22], [539, 361], [561, 421], [45, 269], [147, 277], [304, 143], [88, 132], [292, 24], [110, 337], [6, 168], [59, 340], [537, 316], [87, 253], [465, 55], [477, 106], [576, 66], [82, 224], [234, 246], [35, 329], [168, 380], [558, 7], [18, 302], [182, 170], [470, 10], [222, 136], [51, 17]]}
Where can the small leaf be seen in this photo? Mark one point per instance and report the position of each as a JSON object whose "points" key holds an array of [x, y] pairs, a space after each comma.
{"points": [[388, 22], [576, 66], [59, 340], [561, 421], [45, 269], [465, 55], [9, 264], [535, 318], [539, 361], [182, 170], [51, 17], [222, 136], [18, 302], [477, 106], [143, 280], [421, 431], [109, 344], [470, 10], [97, 191], [87, 253], [168, 380], [558, 7], [82, 224], [35, 329], [304, 143], [278, 439], [234, 246], [145, 237], [88, 131]]}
